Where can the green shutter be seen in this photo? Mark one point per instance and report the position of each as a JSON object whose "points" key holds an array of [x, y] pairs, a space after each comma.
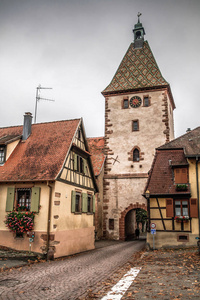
{"points": [[75, 161], [35, 199], [10, 198], [84, 202], [93, 203], [73, 201]]}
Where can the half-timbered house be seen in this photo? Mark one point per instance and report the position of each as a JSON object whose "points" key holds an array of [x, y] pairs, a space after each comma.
{"points": [[172, 192], [46, 169]]}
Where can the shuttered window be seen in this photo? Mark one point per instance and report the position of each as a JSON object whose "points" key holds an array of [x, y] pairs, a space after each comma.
{"points": [[193, 208], [181, 175], [26, 199], [82, 202], [169, 208]]}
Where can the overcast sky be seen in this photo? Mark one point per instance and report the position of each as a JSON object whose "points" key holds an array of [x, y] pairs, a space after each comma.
{"points": [[76, 46]]}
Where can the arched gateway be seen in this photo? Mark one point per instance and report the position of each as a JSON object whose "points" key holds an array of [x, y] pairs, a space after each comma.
{"points": [[122, 224]]}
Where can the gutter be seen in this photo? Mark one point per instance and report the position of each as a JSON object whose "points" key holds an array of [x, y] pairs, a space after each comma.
{"points": [[49, 218], [197, 181]]}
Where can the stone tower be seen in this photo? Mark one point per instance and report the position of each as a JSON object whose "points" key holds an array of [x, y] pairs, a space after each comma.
{"points": [[138, 118]]}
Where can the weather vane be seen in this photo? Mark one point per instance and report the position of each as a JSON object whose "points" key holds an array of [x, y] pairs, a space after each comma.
{"points": [[139, 14]]}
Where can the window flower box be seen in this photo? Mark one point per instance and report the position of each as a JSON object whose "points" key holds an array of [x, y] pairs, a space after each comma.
{"points": [[19, 221], [181, 187], [180, 219]]}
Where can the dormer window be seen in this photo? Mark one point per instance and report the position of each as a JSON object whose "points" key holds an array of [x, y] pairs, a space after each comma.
{"points": [[2, 154]]}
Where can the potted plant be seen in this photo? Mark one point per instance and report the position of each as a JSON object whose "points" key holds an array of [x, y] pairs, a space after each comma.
{"points": [[20, 221], [181, 187]]}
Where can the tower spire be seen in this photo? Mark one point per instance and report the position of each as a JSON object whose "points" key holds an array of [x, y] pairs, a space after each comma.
{"points": [[139, 33]]}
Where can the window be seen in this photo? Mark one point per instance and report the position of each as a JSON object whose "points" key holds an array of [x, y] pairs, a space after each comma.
{"points": [[135, 125], [181, 208], [79, 134], [111, 224], [89, 203], [146, 101], [82, 202], [2, 154], [79, 164], [136, 155], [180, 175], [125, 103], [23, 199], [78, 202]]}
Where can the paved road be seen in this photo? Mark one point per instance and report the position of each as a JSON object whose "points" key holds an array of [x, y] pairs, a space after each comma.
{"points": [[66, 279]]}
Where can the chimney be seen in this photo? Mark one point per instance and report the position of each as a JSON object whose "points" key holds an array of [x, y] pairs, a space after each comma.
{"points": [[27, 125]]}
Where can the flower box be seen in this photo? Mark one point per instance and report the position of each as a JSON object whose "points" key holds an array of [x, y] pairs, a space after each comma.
{"points": [[181, 187], [180, 219]]}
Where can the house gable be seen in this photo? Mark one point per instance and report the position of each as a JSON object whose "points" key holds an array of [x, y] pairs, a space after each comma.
{"points": [[77, 169]]}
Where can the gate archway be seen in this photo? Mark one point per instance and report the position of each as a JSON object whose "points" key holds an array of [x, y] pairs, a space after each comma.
{"points": [[122, 226]]}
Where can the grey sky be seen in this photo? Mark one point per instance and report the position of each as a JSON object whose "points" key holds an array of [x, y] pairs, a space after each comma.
{"points": [[76, 46]]}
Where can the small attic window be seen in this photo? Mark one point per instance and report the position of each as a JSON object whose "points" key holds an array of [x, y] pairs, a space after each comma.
{"points": [[2, 154]]}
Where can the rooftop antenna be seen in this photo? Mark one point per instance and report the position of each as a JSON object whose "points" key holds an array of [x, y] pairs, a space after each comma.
{"points": [[39, 98]]}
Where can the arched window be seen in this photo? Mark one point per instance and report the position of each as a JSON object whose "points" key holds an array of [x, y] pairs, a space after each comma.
{"points": [[136, 155]]}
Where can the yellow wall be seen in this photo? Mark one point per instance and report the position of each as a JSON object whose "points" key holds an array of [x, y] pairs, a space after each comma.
{"points": [[67, 220]]}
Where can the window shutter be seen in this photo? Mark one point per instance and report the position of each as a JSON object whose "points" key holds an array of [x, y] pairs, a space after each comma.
{"points": [[75, 161], [84, 202], [10, 198], [93, 203], [193, 208], [73, 201], [181, 175], [35, 199], [169, 208]]}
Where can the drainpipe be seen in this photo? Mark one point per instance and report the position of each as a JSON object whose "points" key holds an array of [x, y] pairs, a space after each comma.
{"points": [[49, 218], [197, 180]]}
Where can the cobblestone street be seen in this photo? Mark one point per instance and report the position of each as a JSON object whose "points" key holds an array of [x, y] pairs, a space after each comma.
{"points": [[69, 278], [164, 274]]}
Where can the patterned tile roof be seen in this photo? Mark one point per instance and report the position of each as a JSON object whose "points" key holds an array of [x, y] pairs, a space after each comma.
{"points": [[190, 142], [161, 180], [96, 147], [137, 70], [42, 155]]}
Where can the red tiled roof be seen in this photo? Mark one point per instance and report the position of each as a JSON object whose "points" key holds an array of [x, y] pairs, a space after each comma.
{"points": [[161, 180], [42, 155], [96, 147]]}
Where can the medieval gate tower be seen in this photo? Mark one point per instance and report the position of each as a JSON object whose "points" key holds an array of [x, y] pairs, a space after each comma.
{"points": [[138, 118]]}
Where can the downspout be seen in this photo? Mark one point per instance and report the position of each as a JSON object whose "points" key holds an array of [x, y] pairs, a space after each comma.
{"points": [[49, 218], [197, 180]]}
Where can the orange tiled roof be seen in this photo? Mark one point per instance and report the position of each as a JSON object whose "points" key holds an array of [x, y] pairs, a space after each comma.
{"points": [[96, 147], [42, 155], [137, 70]]}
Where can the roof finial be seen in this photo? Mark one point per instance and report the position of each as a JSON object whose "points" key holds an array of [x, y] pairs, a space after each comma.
{"points": [[139, 14]]}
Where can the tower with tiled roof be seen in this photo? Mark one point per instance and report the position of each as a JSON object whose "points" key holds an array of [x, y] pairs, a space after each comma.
{"points": [[138, 118]]}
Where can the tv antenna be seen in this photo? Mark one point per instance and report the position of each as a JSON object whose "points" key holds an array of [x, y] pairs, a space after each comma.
{"points": [[38, 98]]}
